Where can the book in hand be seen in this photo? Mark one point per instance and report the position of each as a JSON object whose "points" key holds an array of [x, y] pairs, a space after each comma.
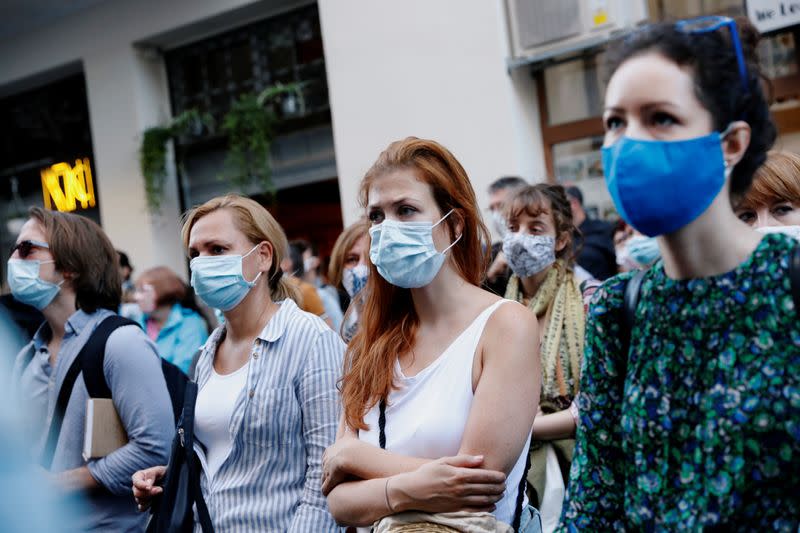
{"points": [[104, 432]]}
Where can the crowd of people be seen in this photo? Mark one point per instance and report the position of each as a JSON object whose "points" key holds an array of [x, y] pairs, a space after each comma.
{"points": [[576, 375]]}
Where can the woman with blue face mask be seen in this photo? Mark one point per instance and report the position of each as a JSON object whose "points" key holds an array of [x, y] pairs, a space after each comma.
{"points": [[267, 404], [690, 416], [442, 377], [348, 271]]}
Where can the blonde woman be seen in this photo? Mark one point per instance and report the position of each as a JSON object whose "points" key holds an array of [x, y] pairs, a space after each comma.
{"points": [[267, 405], [349, 270]]}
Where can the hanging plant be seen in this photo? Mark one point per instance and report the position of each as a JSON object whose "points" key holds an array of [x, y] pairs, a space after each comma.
{"points": [[250, 127], [153, 151]]}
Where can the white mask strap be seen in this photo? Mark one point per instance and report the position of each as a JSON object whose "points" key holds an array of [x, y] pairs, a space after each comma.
{"points": [[441, 219], [454, 243], [245, 255]]}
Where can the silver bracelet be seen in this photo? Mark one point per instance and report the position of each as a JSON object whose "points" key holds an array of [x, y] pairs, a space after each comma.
{"points": [[386, 493]]}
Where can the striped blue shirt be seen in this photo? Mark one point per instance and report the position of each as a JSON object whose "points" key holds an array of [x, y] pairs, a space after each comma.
{"points": [[282, 422]]}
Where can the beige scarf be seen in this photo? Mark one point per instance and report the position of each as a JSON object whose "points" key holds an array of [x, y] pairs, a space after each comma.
{"points": [[559, 299]]}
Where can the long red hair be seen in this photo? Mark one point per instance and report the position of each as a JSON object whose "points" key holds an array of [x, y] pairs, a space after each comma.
{"points": [[388, 321]]}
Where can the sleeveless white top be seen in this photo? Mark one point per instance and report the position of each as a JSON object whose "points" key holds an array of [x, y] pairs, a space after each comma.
{"points": [[427, 414]]}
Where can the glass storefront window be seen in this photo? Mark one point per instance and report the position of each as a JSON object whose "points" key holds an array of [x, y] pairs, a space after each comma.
{"points": [[575, 89], [579, 163]]}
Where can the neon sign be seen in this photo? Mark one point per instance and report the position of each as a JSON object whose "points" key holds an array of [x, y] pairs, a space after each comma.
{"points": [[65, 186]]}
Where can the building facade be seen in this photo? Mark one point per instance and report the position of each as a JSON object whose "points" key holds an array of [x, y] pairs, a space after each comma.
{"points": [[80, 83]]}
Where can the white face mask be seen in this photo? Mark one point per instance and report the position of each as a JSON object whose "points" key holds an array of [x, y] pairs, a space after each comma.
{"points": [[791, 231]]}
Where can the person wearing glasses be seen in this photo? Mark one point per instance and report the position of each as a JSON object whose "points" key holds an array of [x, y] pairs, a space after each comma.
{"points": [[65, 266], [690, 416]]}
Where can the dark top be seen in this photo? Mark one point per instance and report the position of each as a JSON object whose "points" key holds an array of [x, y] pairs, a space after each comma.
{"points": [[597, 254], [28, 318]]}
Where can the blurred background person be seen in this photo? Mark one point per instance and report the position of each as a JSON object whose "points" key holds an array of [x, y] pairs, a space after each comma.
{"points": [[311, 274], [179, 332], [499, 191], [349, 271], [539, 249], [636, 251], [126, 274], [28, 500], [26, 317], [773, 200], [308, 299], [595, 239], [64, 265]]}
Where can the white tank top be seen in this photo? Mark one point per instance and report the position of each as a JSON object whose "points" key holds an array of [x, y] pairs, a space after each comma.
{"points": [[213, 413], [427, 415]]}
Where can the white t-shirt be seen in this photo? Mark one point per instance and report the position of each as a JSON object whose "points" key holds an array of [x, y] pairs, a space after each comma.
{"points": [[213, 413]]}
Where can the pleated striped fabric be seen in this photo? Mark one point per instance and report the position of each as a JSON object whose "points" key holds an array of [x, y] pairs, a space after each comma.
{"points": [[282, 422]]}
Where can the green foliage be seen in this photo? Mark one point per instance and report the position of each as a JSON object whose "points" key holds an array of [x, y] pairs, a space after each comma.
{"points": [[250, 127], [153, 151]]}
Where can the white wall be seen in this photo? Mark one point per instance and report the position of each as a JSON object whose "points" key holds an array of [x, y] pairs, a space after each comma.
{"points": [[432, 69], [127, 92]]}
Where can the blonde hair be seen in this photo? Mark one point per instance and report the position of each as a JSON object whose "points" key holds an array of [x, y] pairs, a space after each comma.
{"points": [[346, 240], [258, 225]]}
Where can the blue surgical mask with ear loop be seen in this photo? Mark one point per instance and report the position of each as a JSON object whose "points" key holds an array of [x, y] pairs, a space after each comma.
{"points": [[404, 253], [218, 280], [26, 285], [659, 187]]}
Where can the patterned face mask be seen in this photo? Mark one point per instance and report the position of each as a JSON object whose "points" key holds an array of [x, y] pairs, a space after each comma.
{"points": [[354, 279], [527, 255]]}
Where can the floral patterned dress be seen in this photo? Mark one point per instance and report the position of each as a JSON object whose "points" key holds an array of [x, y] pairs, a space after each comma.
{"points": [[699, 426]]}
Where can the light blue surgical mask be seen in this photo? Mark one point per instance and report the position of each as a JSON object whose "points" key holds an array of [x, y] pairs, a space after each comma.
{"points": [[643, 250], [26, 285], [404, 253], [218, 280]]}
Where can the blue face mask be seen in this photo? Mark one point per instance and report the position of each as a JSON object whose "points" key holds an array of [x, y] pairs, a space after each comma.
{"points": [[643, 250], [218, 280], [661, 186], [404, 252], [26, 285]]}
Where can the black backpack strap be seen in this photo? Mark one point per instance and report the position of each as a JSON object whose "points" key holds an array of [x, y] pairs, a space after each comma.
{"points": [[630, 303], [93, 356], [90, 361], [794, 277]]}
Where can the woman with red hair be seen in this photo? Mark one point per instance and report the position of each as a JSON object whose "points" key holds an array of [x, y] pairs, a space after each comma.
{"points": [[442, 378]]}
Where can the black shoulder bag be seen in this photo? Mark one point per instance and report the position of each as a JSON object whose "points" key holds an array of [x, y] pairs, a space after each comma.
{"points": [[174, 510]]}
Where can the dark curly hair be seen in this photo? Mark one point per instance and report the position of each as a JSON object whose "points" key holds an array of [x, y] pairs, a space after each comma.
{"points": [[712, 59]]}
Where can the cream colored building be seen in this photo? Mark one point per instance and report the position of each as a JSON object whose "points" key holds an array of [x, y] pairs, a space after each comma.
{"points": [[443, 69]]}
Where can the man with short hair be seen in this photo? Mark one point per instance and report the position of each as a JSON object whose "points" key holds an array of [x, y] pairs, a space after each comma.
{"points": [[596, 239], [499, 192]]}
